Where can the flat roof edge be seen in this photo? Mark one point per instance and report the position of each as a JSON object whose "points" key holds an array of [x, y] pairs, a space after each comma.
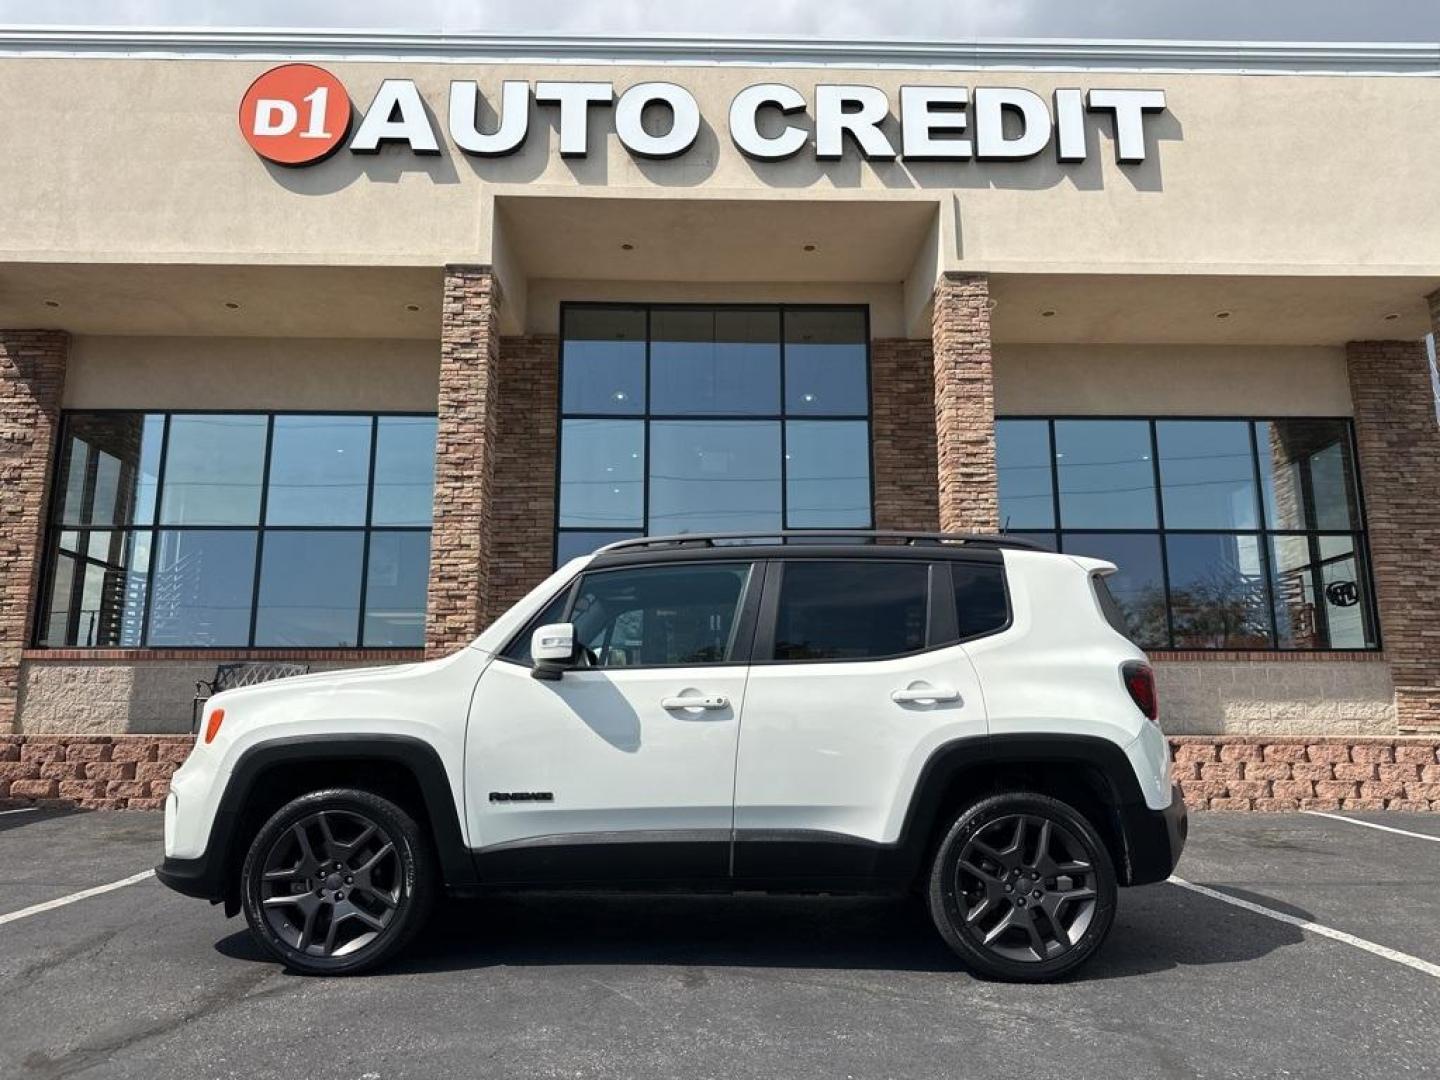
{"points": [[1260, 57]]}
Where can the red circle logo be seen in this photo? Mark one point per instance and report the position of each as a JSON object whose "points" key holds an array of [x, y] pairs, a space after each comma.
{"points": [[295, 114]]}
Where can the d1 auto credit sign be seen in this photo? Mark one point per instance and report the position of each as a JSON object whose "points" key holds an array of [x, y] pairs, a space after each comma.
{"points": [[296, 114]]}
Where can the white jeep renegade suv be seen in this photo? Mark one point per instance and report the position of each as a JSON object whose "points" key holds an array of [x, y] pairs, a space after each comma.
{"points": [[838, 712]]}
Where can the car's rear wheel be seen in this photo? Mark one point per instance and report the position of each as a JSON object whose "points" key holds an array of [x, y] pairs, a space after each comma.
{"points": [[337, 881], [1022, 887]]}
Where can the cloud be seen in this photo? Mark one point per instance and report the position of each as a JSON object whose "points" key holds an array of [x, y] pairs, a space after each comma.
{"points": [[954, 20]]}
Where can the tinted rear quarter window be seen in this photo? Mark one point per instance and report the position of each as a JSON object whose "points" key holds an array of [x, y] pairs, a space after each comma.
{"points": [[980, 604], [861, 610], [1114, 614]]}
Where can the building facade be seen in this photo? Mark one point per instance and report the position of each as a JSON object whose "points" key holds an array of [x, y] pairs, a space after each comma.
{"points": [[325, 349]]}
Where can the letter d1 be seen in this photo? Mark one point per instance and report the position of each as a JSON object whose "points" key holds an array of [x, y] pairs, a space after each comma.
{"points": [[295, 114]]}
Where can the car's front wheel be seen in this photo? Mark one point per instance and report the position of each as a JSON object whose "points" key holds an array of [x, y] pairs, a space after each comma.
{"points": [[337, 881], [1022, 887]]}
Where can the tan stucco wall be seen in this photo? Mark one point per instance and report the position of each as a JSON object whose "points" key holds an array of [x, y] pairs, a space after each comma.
{"points": [[1284, 697], [103, 697], [252, 373], [1170, 380], [142, 160]]}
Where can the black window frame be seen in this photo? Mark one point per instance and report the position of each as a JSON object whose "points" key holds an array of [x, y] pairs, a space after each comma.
{"points": [[1262, 532], [646, 417], [55, 526]]}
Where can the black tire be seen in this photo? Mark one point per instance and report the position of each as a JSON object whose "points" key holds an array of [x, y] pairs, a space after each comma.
{"points": [[349, 878], [1022, 888]]}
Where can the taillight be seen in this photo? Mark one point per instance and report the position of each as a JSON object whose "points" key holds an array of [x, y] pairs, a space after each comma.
{"points": [[212, 726], [1140, 682]]}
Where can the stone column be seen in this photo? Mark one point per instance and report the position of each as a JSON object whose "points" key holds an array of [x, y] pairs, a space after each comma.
{"points": [[32, 377], [965, 405], [463, 531], [525, 467], [1399, 447], [902, 400]]}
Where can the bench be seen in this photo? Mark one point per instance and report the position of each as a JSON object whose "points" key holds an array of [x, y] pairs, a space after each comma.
{"points": [[241, 673]]}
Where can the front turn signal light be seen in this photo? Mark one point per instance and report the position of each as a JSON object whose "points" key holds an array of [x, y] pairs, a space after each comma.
{"points": [[212, 725]]}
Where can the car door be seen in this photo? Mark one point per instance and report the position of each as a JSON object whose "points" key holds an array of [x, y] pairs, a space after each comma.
{"points": [[623, 768], [858, 675]]}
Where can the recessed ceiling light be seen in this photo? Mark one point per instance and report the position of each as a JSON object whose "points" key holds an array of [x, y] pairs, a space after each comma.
{"points": [[1048, 313], [809, 247], [1222, 314], [52, 303], [412, 307], [627, 247], [232, 305], [1392, 316]]}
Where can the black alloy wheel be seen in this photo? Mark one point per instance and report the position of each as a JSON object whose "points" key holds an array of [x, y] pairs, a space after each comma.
{"points": [[337, 881], [1023, 888]]}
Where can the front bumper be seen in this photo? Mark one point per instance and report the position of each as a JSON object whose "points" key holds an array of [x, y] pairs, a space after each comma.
{"points": [[1154, 839]]}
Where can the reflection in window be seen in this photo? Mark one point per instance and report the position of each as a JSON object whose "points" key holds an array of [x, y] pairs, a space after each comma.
{"points": [[827, 474], [1137, 587], [727, 451], [309, 589], [1107, 478], [720, 361], [714, 476], [659, 615], [834, 610], [214, 469], [1204, 562], [1022, 453], [156, 536], [319, 470]]}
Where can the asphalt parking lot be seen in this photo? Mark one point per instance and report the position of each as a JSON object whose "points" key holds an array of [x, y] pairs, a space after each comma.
{"points": [[141, 982]]}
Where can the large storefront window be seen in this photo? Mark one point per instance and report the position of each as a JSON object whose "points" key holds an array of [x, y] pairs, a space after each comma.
{"points": [[1229, 534], [233, 530], [681, 419]]}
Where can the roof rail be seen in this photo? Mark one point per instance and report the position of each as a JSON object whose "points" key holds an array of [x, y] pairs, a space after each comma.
{"points": [[792, 536]]}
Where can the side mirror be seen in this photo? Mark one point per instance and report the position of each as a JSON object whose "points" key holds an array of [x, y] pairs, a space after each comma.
{"points": [[553, 649]]}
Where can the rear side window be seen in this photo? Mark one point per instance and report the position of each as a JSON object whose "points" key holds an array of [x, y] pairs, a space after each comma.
{"points": [[980, 605], [862, 610], [1114, 614]]}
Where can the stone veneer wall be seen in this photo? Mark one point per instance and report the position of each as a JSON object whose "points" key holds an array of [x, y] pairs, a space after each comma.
{"points": [[32, 379], [527, 441], [965, 404], [464, 526], [101, 772], [1399, 446], [902, 401]]}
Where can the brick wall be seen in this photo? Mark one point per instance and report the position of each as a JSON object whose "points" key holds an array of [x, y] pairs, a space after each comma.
{"points": [[460, 551], [95, 772], [902, 402], [1399, 448], [522, 552], [1308, 774], [965, 405], [32, 377]]}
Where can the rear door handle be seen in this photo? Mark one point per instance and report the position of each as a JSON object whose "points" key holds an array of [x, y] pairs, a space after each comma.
{"points": [[683, 701], [925, 693]]}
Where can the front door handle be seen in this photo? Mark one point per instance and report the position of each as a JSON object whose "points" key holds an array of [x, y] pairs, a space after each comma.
{"points": [[925, 694], [686, 701]]}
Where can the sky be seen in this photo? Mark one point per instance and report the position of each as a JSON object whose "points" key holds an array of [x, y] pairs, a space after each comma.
{"points": [[936, 20]]}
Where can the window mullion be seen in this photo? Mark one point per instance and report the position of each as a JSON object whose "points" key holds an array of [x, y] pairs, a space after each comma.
{"points": [[260, 529], [369, 526]]}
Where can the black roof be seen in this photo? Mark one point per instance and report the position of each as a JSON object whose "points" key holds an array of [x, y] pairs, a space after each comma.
{"points": [[814, 543]]}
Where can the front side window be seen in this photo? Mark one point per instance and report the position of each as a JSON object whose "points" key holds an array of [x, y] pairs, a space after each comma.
{"points": [[659, 615], [860, 610], [1228, 534], [695, 419], [236, 530]]}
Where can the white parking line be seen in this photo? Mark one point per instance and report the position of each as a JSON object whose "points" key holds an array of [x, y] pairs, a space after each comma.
{"points": [[83, 894], [22, 810], [1384, 951], [1373, 825]]}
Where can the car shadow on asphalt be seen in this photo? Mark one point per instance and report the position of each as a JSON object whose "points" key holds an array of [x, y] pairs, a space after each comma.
{"points": [[1158, 928]]}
